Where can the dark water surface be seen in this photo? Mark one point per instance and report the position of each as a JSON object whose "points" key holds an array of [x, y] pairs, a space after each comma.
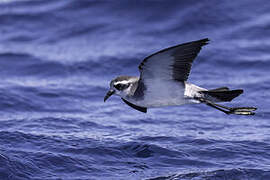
{"points": [[58, 57]]}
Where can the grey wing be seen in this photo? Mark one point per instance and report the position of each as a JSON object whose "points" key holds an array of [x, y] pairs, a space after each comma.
{"points": [[173, 63]]}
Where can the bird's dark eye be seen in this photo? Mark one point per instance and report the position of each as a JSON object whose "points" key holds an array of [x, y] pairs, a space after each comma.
{"points": [[121, 86], [117, 86]]}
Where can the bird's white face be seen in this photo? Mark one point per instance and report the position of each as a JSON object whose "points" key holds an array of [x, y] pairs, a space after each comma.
{"points": [[121, 88]]}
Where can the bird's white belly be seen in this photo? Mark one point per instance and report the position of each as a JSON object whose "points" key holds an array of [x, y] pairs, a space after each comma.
{"points": [[170, 93], [165, 102]]}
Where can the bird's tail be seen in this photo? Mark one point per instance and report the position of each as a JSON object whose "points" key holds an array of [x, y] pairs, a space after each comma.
{"points": [[223, 94]]}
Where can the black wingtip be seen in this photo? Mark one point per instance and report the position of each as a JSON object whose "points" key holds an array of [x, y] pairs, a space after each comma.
{"points": [[200, 42], [204, 41]]}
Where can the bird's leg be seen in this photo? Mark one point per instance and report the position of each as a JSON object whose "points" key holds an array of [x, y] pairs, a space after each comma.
{"points": [[238, 109], [217, 107], [229, 110]]}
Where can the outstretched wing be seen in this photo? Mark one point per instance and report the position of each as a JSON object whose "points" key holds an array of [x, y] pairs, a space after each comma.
{"points": [[139, 108], [173, 63]]}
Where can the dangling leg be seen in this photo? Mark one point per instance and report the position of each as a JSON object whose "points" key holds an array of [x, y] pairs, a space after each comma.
{"points": [[229, 110]]}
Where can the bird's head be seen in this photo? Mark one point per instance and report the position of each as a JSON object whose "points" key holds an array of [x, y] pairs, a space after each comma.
{"points": [[120, 86]]}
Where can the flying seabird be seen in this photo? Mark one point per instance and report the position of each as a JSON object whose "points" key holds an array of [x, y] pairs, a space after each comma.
{"points": [[163, 82]]}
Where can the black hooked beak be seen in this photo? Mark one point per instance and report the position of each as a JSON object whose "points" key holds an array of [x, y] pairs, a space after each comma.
{"points": [[109, 93]]}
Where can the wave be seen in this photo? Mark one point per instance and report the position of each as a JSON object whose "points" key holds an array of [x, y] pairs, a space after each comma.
{"points": [[221, 174], [58, 57]]}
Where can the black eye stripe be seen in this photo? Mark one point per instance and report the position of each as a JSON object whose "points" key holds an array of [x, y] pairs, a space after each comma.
{"points": [[117, 86], [121, 86]]}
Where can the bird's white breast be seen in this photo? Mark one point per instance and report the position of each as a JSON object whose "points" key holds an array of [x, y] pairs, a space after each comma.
{"points": [[159, 93], [169, 93]]}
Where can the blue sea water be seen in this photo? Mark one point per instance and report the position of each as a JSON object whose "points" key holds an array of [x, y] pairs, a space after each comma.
{"points": [[58, 57]]}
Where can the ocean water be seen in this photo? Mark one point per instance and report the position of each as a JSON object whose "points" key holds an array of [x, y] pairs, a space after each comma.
{"points": [[58, 57]]}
